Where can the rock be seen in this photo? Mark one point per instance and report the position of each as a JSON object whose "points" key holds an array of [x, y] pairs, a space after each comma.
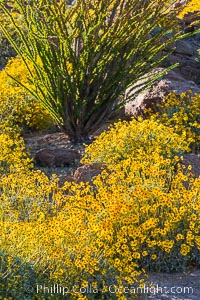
{"points": [[173, 59], [172, 82], [86, 172], [186, 54], [101, 129], [184, 48], [63, 179], [56, 157]]}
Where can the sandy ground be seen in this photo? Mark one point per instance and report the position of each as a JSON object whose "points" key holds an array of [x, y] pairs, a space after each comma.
{"points": [[181, 286]]}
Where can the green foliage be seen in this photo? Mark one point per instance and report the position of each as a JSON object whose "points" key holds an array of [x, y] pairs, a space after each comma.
{"points": [[16, 278], [84, 56]]}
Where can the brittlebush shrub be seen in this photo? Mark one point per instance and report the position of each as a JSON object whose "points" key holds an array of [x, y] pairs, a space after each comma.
{"points": [[143, 157], [139, 213], [139, 139], [182, 113], [17, 107]]}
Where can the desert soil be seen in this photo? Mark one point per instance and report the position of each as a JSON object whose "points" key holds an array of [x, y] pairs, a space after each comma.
{"points": [[179, 286]]}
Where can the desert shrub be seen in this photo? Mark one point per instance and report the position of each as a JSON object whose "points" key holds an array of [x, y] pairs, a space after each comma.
{"points": [[17, 107], [182, 113], [66, 247], [139, 213], [143, 160], [156, 218], [139, 139], [90, 53], [101, 239]]}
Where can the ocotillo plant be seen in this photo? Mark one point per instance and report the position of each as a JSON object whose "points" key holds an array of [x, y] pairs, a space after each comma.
{"points": [[82, 57]]}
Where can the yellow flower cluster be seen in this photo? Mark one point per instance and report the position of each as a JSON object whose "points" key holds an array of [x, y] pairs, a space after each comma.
{"points": [[141, 140], [16, 106], [12, 156], [182, 113], [138, 213]]}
